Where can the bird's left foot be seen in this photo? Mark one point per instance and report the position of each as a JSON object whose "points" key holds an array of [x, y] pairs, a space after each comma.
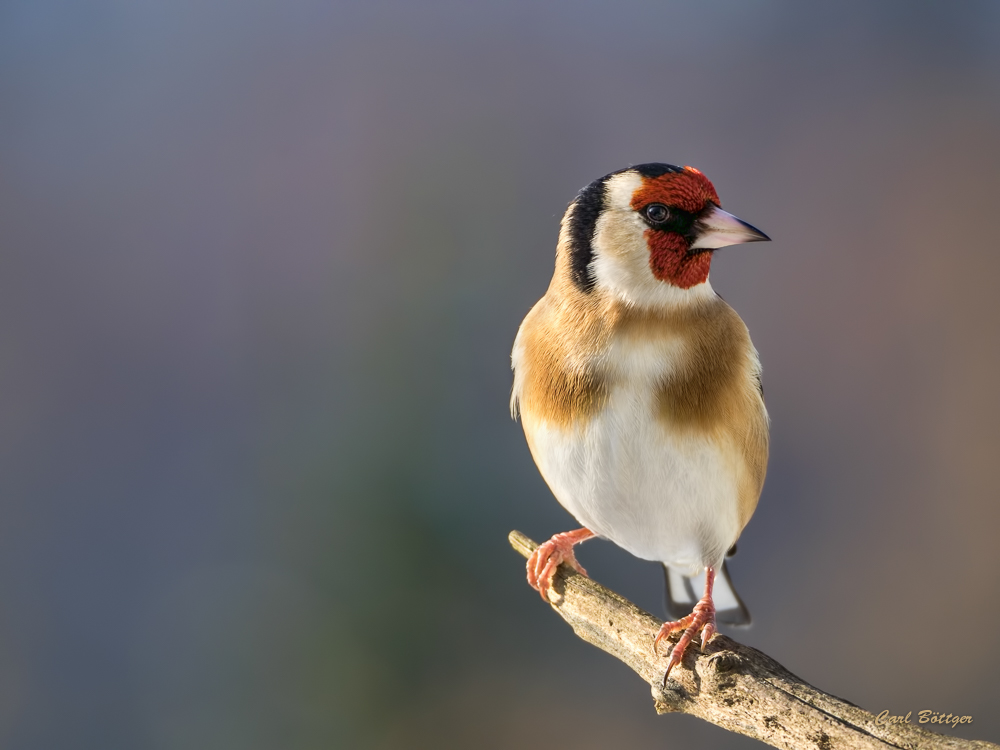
{"points": [[701, 619]]}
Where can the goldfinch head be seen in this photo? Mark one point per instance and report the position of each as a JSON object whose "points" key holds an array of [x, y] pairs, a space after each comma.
{"points": [[647, 233]]}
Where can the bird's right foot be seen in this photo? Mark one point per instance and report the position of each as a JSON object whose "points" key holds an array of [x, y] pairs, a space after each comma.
{"points": [[548, 556]]}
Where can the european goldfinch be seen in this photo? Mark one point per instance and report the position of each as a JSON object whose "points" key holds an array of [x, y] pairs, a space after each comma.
{"points": [[639, 389]]}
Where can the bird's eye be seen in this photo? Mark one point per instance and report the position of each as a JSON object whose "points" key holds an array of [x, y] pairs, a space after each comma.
{"points": [[657, 213]]}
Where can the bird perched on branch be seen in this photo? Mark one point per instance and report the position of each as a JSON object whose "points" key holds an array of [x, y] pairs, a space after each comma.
{"points": [[639, 390]]}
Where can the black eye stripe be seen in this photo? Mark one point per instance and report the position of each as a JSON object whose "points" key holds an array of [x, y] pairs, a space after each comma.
{"points": [[681, 222]]}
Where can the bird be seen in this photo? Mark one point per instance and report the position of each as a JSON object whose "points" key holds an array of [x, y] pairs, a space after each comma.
{"points": [[639, 391]]}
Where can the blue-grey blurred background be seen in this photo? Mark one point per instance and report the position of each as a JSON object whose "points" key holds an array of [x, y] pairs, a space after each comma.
{"points": [[261, 267]]}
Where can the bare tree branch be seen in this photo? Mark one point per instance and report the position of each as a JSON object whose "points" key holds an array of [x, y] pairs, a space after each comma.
{"points": [[731, 685]]}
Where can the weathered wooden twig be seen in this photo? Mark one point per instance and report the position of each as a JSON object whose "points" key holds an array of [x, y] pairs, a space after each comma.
{"points": [[731, 685]]}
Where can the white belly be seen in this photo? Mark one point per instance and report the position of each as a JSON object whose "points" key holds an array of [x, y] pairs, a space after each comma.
{"points": [[659, 493]]}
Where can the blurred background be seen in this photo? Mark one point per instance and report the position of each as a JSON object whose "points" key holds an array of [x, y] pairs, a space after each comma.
{"points": [[261, 267]]}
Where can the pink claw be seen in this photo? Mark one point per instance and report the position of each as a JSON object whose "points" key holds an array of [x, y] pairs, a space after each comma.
{"points": [[701, 619], [550, 555]]}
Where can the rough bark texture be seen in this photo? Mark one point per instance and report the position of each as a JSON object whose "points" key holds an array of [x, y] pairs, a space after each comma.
{"points": [[731, 685]]}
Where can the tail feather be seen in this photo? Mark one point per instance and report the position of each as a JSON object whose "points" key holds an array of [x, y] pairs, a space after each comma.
{"points": [[684, 592]]}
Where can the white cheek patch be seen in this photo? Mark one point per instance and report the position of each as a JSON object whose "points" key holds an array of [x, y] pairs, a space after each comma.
{"points": [[621, 257], [621, 265], [619, 189]]}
